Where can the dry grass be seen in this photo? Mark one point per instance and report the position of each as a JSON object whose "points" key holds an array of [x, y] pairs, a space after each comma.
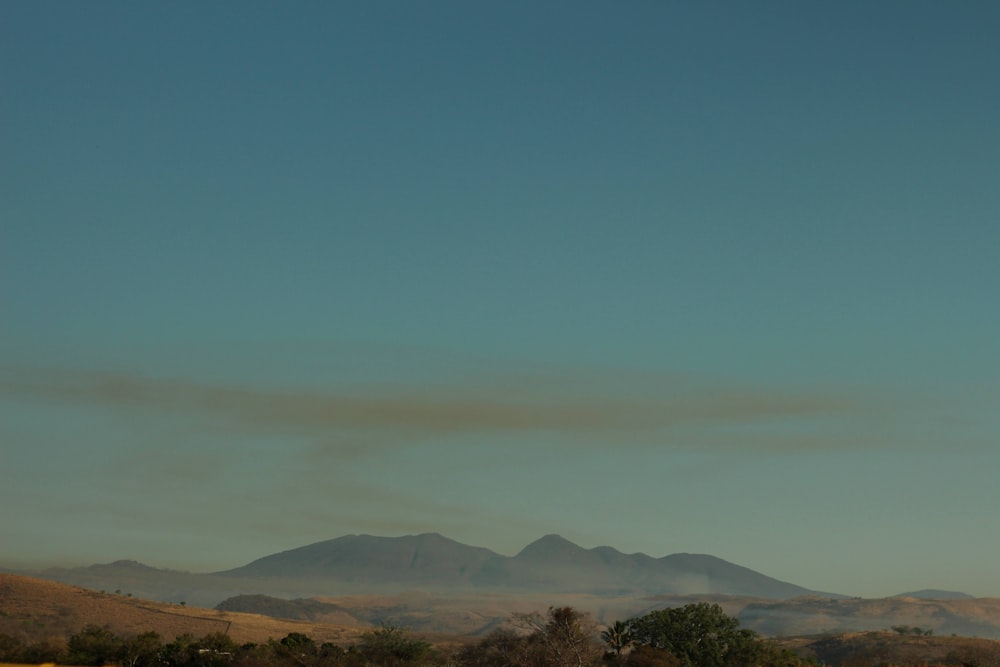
{"points": [[34, 610], [889, 650]]}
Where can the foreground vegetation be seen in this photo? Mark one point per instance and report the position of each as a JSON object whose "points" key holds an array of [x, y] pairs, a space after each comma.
{"points": [[95, 645], [694, 635]]}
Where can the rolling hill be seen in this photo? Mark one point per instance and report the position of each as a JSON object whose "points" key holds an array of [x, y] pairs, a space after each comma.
{"points": [[970, 617], [433, 583], [36, 609]]}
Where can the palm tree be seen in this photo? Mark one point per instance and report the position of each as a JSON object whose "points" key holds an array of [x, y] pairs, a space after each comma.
{"points": [[618, 637]]}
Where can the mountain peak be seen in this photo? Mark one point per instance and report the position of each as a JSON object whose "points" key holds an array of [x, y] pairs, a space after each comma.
{"points": [[935, 594], [550, 546], [433, 562], [124, 565], [430, 558]]}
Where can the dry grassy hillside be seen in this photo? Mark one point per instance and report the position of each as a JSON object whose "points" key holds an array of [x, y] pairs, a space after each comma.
{"points": [[975, 617], [35, 609], [884, 648], [475, 614]]}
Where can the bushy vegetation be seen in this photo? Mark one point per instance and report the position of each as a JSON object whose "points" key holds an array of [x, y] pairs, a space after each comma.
{"points": [[914, 630], [701, 635], [695, 635], [386, 646]]}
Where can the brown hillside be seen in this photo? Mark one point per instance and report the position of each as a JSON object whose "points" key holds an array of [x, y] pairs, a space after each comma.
{"points": [[35, 609], [975, 617], [884, 648]]}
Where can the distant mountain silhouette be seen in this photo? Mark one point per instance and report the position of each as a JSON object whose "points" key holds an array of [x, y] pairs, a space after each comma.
{"points": [[935, 594], [552, 563], [432, 563], [429, 559]]}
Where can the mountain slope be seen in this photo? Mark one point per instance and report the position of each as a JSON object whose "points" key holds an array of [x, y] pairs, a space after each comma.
{"points": [[555, 563], [366, 564], [701, 573], [429, 558]]}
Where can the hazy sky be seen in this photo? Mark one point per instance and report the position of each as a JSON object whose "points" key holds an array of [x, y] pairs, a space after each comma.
{"points": [[713, 277]]}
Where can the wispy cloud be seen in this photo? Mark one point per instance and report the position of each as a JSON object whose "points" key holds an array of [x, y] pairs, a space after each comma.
{"points": [[389, 415]]}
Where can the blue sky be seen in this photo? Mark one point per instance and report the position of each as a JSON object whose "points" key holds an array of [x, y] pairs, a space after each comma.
{"points": [[671, 277]]}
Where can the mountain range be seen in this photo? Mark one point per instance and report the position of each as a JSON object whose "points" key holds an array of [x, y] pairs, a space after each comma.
{"points": [[551, 564], [430, 562], [433, 583]]}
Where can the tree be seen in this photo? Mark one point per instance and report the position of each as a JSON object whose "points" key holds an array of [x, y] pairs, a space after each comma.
{"points": [[329, 653], [140, 651], [702, 635], [389, 645], [215, 649], [618, 637], [563, 637], [93, 645], [502, 647], [41, 652], [647, 656], [566, 637], [182, 651], [11, 648], [295, 647]]}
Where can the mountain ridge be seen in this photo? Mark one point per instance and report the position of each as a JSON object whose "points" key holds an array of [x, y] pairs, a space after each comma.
{"points": [[550, 563], [431, 562]]}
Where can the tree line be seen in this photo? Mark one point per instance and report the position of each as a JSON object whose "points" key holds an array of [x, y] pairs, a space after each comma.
{"points": [[695, 635]]}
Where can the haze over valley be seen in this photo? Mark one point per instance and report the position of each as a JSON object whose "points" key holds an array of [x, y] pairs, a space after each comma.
{"points": [[430, 583]]}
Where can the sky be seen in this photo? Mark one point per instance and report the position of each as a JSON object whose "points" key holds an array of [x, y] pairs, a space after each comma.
{"points": [[705, 277]]}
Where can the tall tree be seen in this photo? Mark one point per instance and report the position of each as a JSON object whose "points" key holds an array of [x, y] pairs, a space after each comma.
{"points": [[389, 645], [141, 650], [93, 645], [567, 637], [699, 635], [618, 637]]}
